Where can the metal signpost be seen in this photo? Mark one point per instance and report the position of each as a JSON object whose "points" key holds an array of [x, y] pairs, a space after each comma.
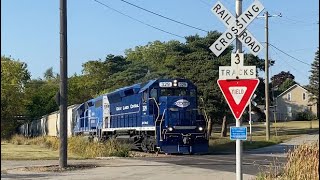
{"points": [[250, 119], [237, 82]]}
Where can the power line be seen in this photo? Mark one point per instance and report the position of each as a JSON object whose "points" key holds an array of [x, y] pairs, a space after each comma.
{"points": [[288, 63], [205, 2], [289, 55], [138, 20], [164, 16]]}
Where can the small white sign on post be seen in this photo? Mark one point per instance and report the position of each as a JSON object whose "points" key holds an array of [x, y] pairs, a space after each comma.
{"points": [[237, 70]]}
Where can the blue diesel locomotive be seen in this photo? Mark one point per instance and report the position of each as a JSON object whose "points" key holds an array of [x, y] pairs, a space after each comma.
{"points": [[160, 115]]}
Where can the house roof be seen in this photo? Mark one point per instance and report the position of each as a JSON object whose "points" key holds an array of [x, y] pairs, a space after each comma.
{"points": [[290, 88]]}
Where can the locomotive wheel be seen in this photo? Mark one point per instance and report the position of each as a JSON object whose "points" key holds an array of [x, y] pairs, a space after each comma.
{"points": [[145, 144], [148, 144]]}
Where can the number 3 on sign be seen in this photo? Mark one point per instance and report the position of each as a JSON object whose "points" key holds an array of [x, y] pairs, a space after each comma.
{"points": [[237, 59]]}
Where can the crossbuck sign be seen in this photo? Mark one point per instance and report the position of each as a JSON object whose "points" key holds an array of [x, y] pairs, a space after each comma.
{"points": [[236, 28]]}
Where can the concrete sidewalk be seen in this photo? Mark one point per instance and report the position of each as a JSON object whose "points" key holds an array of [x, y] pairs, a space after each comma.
{"points": [[280, 150]]}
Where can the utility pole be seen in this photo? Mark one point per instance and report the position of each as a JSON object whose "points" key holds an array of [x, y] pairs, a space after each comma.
{"points": [[266, 64], [238, 122], [63, 85], [266, 16]]}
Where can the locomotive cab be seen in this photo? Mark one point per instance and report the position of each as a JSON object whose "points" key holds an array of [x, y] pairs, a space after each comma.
{"points": [[179, 126]]}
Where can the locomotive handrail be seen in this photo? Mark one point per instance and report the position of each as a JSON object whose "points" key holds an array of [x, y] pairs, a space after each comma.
{"points": [[155, 123], [161, 124], [84, 119], [205, 114], [205, 117], [88, 120]]}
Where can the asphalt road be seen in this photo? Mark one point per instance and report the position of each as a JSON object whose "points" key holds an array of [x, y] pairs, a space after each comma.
{"points": [[219, 166], [251, 164]]}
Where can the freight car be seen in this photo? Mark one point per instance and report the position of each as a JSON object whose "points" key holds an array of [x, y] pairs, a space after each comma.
{"points": [[160, 115], [48, 125]]}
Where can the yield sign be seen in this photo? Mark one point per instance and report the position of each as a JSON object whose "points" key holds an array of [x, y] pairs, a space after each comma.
{"points": [[238, 93]]}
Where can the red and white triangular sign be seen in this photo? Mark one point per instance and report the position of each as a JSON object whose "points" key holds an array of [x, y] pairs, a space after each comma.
{"points": [[238, 93]]}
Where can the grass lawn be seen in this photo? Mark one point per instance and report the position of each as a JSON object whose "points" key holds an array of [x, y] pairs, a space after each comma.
{"points": [[29, 152], [279, 132]]}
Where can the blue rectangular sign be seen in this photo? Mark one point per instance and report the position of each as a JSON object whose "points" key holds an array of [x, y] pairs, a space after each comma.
{"points": [[238, 133]]}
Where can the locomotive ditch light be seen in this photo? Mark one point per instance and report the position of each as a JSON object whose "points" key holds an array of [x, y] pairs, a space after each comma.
{"points": [[170, 128]]}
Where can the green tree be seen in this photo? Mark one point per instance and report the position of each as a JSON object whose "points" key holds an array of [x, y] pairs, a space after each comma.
{"points": [[286, 84], [281, 82], [49, 74], [97, 73], [40, 97], [313, 86], [14, 76], [79, 89], [279, 78]]}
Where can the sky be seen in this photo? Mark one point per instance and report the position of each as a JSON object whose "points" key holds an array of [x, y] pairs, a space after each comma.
{"points": [[30, 30]]}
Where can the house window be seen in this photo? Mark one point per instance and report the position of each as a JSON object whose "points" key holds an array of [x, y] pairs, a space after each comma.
{"points": [[289, 96], [303, 96], [289, 111]]}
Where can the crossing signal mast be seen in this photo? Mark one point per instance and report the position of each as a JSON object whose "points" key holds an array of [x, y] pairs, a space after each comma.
{"points": [[237, 82]]}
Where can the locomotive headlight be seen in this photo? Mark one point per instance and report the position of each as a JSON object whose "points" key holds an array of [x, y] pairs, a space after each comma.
{"points": [[200, 128], [175, 82], [170, 129]]}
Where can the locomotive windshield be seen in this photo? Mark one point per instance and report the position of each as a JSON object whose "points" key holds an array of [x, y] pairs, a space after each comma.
{"points": [[173, 92]]}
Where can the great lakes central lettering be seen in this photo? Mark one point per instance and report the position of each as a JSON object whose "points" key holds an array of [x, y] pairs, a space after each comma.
{"points": [[131, 106]]}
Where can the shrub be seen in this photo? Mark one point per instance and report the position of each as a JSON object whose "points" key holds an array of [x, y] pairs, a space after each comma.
{"points": [[303, 163], [81, 146], [77, 145], [305, 116], [51, 143], [18, 140]]}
